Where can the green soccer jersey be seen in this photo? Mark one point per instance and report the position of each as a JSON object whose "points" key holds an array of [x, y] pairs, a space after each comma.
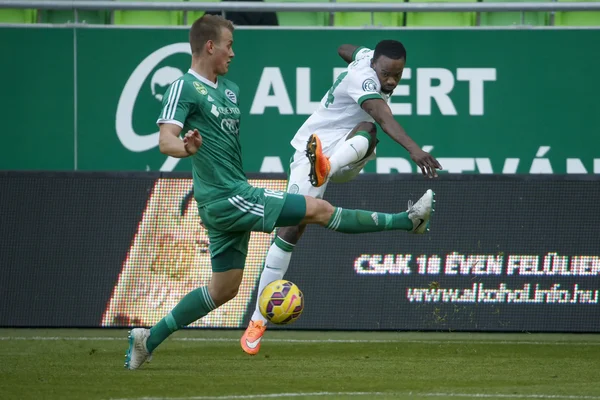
{"points": [[194, 102]]}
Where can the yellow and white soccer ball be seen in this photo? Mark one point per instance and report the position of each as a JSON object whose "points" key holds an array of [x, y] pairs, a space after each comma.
{"points": [[281, 302]]}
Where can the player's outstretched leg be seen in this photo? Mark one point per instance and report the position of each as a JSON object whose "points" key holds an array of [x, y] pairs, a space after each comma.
{"points": [[415, 219], [359, 143], [276, 265]]}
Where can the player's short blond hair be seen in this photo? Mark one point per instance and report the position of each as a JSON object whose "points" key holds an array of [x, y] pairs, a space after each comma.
{"points": [[208, 27]]}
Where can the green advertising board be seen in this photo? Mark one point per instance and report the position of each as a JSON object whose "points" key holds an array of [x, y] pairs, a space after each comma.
{"points": [[37, 99], [482, 101]]}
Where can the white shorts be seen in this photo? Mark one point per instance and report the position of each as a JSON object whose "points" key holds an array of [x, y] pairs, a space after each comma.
{"points": [[299, 182]]}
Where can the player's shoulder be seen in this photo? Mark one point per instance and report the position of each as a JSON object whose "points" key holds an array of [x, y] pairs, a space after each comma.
{"points": [[361, 53], [362, 77], [363, 72], [362, 62], [187, 85], [229, 84], [193, 85]]}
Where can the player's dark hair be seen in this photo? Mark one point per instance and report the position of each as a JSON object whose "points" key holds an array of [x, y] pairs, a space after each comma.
{"points": [[208, 27], [391, 49]]}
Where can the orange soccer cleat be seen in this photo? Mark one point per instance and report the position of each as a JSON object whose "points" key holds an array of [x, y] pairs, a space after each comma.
{"points": [[319, 164], [251, 339]]}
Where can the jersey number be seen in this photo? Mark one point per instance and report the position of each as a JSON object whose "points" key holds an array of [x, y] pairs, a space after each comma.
{"points": [[330, 97]]}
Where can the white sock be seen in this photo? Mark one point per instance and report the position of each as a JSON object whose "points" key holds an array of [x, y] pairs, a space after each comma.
{"points": [[276, 265], [353, 150]]}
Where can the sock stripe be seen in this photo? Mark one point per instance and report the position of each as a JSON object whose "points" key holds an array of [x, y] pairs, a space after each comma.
{"points": [[202, 292], [388, 221], [171, 323], [283, 245], [288, 243], [335, 221], [339, 218], [209, 301], [330, 224], [212, 303]]}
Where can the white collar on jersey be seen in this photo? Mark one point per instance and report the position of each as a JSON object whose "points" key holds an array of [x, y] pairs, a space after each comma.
{"points": [[203, 79]]}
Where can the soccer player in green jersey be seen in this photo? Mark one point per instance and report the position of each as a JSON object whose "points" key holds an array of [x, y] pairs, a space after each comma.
{"points": [[230, 208]]}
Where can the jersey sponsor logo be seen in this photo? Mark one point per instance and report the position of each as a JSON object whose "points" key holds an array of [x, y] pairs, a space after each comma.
{"points": [[200, 88], [229, 110], [230, 125], [369, 85], [231, 96], [134, 140], [215, 111]]}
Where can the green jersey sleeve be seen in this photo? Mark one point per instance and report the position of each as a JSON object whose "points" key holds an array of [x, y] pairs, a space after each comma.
{"points": [[178, 102]]}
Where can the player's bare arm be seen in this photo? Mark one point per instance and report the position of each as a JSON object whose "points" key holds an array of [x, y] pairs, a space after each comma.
{"points": [[170, 144], [346, 51], [382, 114]]}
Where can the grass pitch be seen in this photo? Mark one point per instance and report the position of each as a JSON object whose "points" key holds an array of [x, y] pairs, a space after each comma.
{"points": [[201, 364]]}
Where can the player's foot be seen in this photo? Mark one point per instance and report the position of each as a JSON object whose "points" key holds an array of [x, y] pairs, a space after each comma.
{"points": [[137, 353], [251, 339], [420, 212], [319, 164]]}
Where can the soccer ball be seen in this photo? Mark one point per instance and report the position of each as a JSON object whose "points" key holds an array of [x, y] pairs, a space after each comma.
{"points": [[281, 302]]}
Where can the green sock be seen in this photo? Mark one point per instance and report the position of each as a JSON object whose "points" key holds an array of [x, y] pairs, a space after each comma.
{"points": [[194, 305], [360, 221]]}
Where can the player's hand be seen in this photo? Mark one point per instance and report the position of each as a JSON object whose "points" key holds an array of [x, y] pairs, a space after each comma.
{"points": [[426, 162], [192, 141]]}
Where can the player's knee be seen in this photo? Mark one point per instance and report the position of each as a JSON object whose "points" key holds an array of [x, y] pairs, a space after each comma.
{"points": [[223, 294], [368, 127], [371, 130], [224, 286], [318, 211], [232, 292], [326, 211]]}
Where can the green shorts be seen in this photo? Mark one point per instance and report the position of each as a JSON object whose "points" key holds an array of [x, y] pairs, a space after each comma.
{"points": [[230, 221]]}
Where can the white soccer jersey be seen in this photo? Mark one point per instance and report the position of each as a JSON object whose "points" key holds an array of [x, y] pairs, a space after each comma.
{"points": [[340, 109]]}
